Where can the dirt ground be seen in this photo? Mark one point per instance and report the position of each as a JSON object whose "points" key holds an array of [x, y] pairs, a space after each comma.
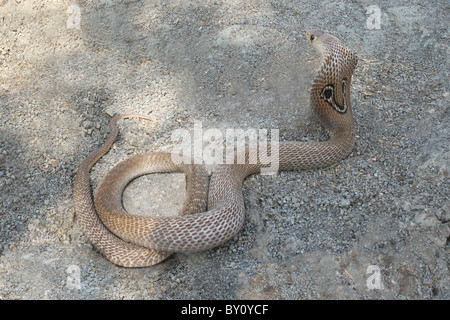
{"points": [[374, 226]]}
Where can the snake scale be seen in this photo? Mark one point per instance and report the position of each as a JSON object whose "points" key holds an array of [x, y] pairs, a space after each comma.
{"points": [[211, 215]]}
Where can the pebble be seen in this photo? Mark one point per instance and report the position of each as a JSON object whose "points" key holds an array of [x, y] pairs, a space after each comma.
{"points": [[87, 124]]}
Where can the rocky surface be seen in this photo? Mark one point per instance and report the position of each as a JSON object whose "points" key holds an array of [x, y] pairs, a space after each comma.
{"points": [[375, 226]]}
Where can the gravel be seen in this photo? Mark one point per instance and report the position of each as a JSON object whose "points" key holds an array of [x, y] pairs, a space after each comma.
{"points": [[374, 226]]}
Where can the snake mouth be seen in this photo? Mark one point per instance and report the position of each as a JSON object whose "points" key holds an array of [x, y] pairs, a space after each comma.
{"points": [[308, 35]]}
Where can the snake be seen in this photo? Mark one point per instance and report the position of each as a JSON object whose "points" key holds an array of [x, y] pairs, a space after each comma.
{"points": [[214, 209]]}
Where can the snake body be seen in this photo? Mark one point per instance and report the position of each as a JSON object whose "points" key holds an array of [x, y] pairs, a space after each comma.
{"points": [[136, 241]]}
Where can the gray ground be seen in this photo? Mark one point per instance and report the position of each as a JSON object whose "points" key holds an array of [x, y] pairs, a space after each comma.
{"points": [[228, 64]]}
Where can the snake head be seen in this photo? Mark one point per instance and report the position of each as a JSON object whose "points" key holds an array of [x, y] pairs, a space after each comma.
{"points": [[319, 39], [330, 46], [313, 35]]}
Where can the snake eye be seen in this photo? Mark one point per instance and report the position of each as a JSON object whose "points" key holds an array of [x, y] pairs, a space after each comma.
{"points": [[312, 37]]}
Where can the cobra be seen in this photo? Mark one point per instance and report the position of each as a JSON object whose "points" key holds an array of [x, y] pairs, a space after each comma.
{"points": [[212, 214]]}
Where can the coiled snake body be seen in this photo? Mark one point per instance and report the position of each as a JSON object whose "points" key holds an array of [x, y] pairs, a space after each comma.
{"points": [[135, 241]]}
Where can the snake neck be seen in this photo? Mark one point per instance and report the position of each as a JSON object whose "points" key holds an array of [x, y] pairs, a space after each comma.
{"points": [[330, 93], [330, 101]]}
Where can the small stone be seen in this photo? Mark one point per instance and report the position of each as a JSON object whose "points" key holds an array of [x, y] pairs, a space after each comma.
{"points": [[87, 124], [344, 203]]}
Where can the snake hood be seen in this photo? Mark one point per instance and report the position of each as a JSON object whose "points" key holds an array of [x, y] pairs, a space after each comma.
{"points": [[330, 93]]}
